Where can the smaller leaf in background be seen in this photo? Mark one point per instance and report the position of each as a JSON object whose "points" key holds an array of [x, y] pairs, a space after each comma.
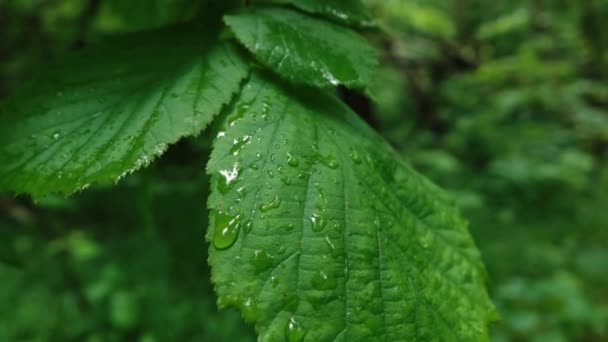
{"points": [[136, 15], [305, 49], [111, 109], [351, 12], [427, 19], [517, 19]]}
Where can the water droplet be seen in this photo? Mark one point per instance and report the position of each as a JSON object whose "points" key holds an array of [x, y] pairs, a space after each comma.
{"points": [[261, 261], [227, 181], [289, 227], [238, 144], [243, 107], [226, 230], [250, 309], [248, 227], [274, 281], [329, 161], [286, 180], [294, 331], [274, 204], [318, 222], [265, 107], [292, 160], [56, 135], [241, 192], [322, 281]]}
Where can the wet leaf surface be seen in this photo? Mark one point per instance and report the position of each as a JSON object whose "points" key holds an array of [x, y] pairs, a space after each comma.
{"points": [[305, 49], [319, 232], [107, 111]]}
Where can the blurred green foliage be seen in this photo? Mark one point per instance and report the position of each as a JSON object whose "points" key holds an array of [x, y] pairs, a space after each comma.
{"points": [[117, 263], [504, 103]]}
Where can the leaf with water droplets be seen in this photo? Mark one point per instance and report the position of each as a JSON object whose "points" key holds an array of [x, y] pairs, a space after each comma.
{"points": [[305, 49], [108, 110], [357, 247]]}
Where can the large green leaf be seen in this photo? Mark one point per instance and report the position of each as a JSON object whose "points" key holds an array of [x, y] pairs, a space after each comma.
{"points": [[319, 232], [344, 11], [305, 49], [110, 110]]}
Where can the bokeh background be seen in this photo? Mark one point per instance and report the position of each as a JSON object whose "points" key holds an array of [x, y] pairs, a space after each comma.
{"points": [[503, 103]]}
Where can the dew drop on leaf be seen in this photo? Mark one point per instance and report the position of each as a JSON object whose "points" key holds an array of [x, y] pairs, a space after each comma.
{"points": [[56, 135], [226, 230], [274, 281], [286, 180], [261, 261], [318, 222], [281, 250], [241, 192], [292, 160], [294, 331], [289, 227], [274, 204], [250, 309], [329, 161], [228, 178], [248, 227], [322, 281], [238, 144]]}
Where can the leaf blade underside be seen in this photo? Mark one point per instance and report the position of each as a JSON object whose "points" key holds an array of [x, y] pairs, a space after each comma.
{"points": [[305, 49], [319, 233], [111, 109]]}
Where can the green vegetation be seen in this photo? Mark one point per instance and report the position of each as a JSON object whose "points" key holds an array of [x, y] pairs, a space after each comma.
{"points": [[287, 133]]}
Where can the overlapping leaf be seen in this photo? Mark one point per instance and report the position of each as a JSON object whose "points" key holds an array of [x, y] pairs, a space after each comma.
{"points": [[305, 49], [319, 233], [346, 11], [112, 109]]}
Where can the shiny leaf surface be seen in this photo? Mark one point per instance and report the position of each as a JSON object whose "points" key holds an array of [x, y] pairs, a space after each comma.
{"points": [[305, 49], [319, 232], [351, 12], [107, 111]]}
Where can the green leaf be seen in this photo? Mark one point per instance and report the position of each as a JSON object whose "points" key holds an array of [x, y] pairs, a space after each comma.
{"points": [[144, 14], [351, 12], [107, 111], [319, 232], [305, 49]]}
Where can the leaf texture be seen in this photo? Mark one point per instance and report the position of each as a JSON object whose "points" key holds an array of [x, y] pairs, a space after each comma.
{"points": [[107, 111], [351, 12], [304, 49], [320, 233]]}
